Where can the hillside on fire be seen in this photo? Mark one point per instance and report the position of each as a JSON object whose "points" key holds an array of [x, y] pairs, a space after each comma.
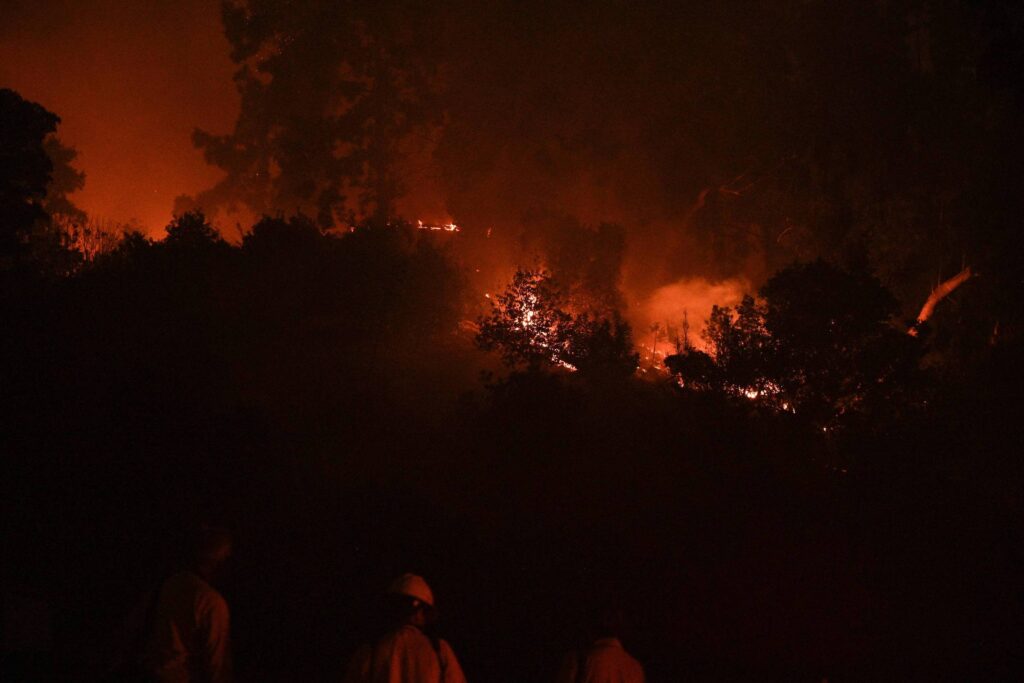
{"points": [[689, 330]]}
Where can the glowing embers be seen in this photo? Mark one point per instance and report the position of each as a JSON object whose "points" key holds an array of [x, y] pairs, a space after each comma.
{"points": [[446, 227], [419, 225], [768, 393], [528, 324], [652, 361], [540, 330]]}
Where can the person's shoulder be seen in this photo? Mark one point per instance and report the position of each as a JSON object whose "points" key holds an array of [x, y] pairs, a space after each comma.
{"points": [[450, 663], [611, 650], [208, 597]]}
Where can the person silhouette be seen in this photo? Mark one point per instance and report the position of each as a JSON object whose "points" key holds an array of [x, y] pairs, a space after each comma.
{"points": [[189, 633], [405, 653], [602, 658]]}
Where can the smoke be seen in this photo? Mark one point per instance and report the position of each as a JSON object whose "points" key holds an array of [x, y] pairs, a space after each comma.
{"points": [[599, 114], [719, 137], [661, 121], [603, 112], [690, 299]]}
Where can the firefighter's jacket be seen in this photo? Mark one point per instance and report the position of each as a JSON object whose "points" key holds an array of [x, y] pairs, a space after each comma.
{"points": [[189, 639], [606, 661], [405, 655]]}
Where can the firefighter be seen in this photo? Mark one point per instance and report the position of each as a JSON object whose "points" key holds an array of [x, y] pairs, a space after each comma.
{"points": [[406, 653], [602, 659], [188, 639]]}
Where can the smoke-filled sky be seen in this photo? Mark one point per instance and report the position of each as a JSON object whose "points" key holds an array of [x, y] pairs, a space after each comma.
{"points": [[130, 80], [726, 139], [133, 80]]}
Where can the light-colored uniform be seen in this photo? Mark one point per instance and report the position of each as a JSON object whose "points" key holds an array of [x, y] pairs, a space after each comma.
{"points": [[405, 655], [605, 662], [189, 641]]}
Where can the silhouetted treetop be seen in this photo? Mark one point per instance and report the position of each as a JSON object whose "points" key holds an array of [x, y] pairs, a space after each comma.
{"points": [[65, 180], [330, 93], [35, 177], [531, 326], [281, 236], [191, 230], [25, 168], [527, 321], [819, 341]]}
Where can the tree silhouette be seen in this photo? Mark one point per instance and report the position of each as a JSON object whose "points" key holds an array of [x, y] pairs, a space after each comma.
{"points": [[527, 323], [530, 328], [585, 262], [65, 179], [694, 369], [191, 230], [819, 341], [30, 188], [277, 236], [601, 346], [330, 92], [25, 169], [743, 346]]}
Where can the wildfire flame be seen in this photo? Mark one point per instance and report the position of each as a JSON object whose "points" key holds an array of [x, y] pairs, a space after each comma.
{"points": [[938, 294], [446, 227]]}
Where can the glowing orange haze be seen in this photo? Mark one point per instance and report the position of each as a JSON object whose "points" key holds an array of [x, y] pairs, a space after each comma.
{"points": [[696, 296], [130, 80]]}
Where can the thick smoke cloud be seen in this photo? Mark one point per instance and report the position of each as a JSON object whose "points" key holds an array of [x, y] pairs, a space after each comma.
{"points": [[680, 309], [730, 139]]}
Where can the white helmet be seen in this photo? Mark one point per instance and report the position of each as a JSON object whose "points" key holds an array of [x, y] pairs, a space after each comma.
{"points": [[414, 586]]}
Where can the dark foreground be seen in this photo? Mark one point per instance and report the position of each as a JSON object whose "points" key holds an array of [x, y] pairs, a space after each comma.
{"points": [[309, 394], [739, 547]]}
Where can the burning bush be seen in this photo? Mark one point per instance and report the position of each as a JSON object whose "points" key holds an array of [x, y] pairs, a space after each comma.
{"points": [[530, 328]]}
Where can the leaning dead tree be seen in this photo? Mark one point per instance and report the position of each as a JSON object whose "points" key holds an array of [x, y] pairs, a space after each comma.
{"points": [[938, 294]]}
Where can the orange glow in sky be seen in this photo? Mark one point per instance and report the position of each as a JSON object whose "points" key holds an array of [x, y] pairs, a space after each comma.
{"points": [[130, 80]]}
